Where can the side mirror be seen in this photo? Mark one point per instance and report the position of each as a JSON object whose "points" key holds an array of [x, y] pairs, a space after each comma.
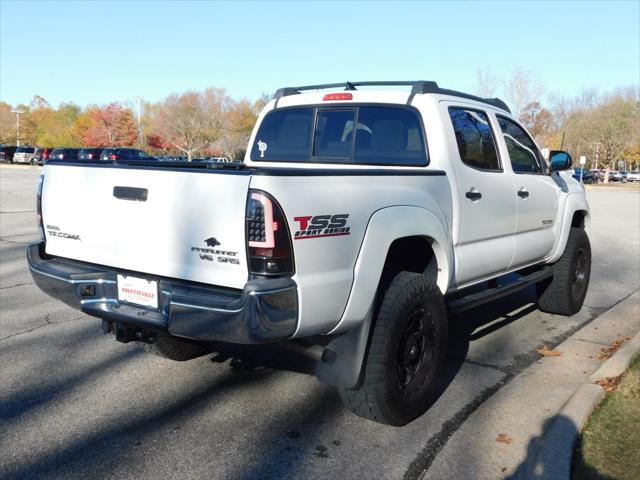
{"points": [[559, 160]]}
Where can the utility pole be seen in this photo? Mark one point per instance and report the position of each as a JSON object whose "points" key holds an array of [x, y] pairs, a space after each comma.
{"points": [[597, 151], [17, 112]]}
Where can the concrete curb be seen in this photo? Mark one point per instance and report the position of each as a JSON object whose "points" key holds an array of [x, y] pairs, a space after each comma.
{"points": [[619, 361], [555, 452]]}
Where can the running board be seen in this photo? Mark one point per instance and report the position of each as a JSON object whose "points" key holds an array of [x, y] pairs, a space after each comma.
{"points": [[491, 294]]}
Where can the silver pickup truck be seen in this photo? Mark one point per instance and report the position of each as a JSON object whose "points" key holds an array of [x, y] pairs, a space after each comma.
{"points": [[357, 220]]}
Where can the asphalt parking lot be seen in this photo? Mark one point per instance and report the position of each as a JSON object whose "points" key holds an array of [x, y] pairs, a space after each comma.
{"points": [[76, 404]]}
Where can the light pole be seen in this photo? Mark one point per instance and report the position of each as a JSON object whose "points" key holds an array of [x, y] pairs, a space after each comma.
{"points": [[17, 112], [597, 152], [139, 100]]}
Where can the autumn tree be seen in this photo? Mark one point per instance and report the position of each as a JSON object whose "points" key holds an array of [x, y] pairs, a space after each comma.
{"points": [[54, 127], [191, 121], [112, 125], [239, 122], [521, 89], [488, 83], [7, 124], [537, 119], [607, 129]]}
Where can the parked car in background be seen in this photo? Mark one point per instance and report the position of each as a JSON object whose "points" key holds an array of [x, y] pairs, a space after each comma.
{"points": [[90, 153], [597, 175], [6, 153], [26, 155], [43, 155], [115, 154], [633, 176], [65, 154], [587, 176], [618, 176]]}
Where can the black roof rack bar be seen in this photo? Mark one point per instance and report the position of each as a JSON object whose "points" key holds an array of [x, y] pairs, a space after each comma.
{"points": [[496, 102], [283, 92], [417, 87]]}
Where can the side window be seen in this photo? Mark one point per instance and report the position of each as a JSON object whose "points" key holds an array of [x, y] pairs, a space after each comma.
{"points": [[524, 155], [476, 144]]}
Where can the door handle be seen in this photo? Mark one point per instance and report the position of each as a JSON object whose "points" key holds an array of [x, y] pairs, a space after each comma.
{"points": [[522, 193], [473, 195], [131, 193]]}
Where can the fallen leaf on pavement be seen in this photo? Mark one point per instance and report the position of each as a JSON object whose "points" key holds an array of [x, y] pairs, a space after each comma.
{"points": [[547, 352], [504, 438], [610, 384], [607, 352]]}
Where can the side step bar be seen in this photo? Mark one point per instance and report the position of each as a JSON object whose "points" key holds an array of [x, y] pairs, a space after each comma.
{"points": [[489, 295]]}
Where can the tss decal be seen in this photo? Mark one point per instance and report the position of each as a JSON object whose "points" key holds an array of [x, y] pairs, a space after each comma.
{"points": [[322, 226]]}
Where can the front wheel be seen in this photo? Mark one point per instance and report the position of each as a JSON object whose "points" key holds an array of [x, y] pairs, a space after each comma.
{"points": [[406, 353], [564, 293]]}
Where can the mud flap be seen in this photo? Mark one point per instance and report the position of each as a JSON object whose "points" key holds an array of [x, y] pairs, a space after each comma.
{"points": [[350, 349]]}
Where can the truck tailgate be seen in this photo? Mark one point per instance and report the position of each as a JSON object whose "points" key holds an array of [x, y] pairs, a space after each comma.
{"points": [[180, 224]]}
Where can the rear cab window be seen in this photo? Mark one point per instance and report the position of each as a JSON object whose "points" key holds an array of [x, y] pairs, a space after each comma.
{"points": [[354, 134], [474, 138]]}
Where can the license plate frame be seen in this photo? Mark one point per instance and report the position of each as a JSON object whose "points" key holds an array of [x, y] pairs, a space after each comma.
{"points": [[138, 291]]}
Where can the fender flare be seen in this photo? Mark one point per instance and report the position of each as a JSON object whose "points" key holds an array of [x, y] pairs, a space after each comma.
{"points": [[350, 337], [385, 226], [575, 202]]}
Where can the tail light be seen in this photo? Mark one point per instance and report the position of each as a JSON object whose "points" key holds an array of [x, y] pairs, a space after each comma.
{"points": [[269, 248], [39, 206], [90, 156], [113, 156]]}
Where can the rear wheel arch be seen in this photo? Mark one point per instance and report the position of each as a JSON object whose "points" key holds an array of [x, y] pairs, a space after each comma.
{"points": [[412, 254]]}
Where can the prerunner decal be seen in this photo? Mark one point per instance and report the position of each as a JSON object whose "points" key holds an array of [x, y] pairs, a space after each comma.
{"points": [[215, 255], [322, 226]]}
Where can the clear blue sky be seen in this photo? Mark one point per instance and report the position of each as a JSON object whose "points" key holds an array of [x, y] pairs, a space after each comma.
{"points": [[97, 52]]}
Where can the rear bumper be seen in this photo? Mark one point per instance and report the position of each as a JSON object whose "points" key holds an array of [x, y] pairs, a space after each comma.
{"points": [[264, 311]]}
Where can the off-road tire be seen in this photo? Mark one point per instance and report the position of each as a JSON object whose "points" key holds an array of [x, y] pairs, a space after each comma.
{"points": [[564, 293], [381, 395], [176, 349]]}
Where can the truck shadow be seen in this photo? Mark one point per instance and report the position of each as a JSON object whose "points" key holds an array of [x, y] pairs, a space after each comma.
{"points": [[93, 452], [30, 397], [463, 330]]}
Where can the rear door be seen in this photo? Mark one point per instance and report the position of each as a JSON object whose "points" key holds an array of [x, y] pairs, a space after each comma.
{"points": [[178, 224], [487, 199], [536, 194]]}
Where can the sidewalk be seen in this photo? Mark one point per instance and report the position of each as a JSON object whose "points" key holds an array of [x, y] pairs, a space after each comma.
{"points": [[502, 436]]}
